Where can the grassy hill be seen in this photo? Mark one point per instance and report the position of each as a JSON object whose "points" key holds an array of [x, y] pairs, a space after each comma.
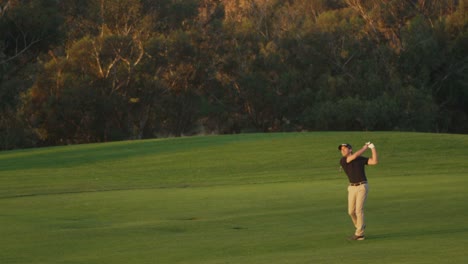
{"points": [[252, 198]]}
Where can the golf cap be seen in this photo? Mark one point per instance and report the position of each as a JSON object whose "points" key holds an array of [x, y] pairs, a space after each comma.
{"points": [[345, 145]]}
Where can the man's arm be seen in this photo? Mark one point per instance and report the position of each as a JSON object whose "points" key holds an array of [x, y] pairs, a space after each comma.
{"points": [[374, 159], [357, 154]]}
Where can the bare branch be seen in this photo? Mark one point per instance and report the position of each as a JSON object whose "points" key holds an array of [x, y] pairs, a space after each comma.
{"points": [[18, 53], [4, 8], [98, 61]]}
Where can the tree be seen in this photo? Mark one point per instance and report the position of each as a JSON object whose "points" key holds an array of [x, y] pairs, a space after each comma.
{"points": [[95, 74], [27, 28], [140, 68]]}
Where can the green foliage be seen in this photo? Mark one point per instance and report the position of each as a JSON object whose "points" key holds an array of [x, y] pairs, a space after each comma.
{"points": [[29, 27], [141, 69], [382, 113]]}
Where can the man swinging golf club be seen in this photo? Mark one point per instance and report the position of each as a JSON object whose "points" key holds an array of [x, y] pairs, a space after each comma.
{"points": [[353, 165]]}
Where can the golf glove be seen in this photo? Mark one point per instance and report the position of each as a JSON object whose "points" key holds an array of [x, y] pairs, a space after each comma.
{"points": [[371, 145]]}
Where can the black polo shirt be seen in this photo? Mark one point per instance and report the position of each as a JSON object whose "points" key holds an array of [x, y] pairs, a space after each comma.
{"points": [[355, 169]]}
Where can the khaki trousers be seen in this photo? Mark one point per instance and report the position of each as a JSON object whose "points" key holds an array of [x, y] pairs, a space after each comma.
{"points": [[357, 196]]}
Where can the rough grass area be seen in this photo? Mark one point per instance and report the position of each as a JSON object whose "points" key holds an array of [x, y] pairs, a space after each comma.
{"points": [[252, 198]]}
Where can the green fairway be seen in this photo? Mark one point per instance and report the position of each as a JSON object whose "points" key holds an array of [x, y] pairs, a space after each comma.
{"points": [[252, 198]]}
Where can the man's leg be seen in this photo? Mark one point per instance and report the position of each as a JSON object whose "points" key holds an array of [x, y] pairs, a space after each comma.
{"points": [[352, 196], [361, 196]]}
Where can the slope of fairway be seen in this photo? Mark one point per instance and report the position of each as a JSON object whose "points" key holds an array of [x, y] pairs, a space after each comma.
{"points": [[253, 198]]}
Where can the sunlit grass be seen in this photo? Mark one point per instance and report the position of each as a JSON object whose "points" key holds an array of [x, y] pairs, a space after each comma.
{"points": [[256, 198]]}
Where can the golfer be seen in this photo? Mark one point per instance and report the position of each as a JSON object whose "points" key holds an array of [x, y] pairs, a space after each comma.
{"points": [[353, 165]]}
